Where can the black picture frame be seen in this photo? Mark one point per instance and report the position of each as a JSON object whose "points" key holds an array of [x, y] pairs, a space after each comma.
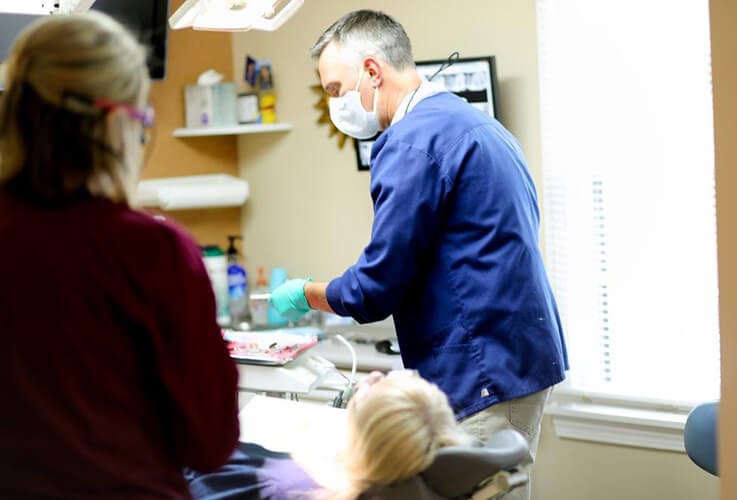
{"points": [[472, 78], [362, 148]]}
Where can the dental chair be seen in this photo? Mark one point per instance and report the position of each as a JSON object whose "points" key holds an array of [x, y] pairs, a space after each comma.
{"points": [[458, 473], [473, 473]]}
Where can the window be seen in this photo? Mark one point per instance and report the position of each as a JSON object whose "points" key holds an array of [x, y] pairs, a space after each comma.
{"points": [[629, 197]]}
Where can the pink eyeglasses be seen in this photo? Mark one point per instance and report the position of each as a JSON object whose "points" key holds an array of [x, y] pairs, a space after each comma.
{"points": [[146, 117]]}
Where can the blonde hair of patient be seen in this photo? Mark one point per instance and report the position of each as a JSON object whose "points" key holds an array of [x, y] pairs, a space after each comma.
{"points": [[87, 54], [394, 432]]}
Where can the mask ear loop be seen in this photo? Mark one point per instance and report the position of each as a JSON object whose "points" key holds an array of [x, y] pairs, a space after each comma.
{"points": [[376, 98], [376, 89]]}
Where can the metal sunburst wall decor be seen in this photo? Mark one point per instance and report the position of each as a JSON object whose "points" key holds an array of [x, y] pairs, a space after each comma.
{"points": [[322, 106]]}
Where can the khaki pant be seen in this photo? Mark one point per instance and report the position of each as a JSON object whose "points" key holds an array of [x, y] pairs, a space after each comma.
{"points": [[522, 414]]}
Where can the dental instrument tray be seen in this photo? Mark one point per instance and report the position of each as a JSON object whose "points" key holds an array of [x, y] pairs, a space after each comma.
{"points": [[274, 347]]}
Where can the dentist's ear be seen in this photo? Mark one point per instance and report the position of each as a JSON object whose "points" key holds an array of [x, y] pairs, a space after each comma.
{"points": [[372, 67]]}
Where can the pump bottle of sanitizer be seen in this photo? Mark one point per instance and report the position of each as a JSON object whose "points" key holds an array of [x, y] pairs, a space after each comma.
{"points": [[237, 288]]}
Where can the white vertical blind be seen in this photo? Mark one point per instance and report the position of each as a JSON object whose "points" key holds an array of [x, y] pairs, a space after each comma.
{"points": [[628, 165]]}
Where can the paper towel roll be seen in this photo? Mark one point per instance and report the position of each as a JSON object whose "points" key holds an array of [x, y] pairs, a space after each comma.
{"points": [[201, 191]]}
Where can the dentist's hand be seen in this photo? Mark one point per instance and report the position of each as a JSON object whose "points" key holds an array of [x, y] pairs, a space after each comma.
{"points": [[289, 299]]}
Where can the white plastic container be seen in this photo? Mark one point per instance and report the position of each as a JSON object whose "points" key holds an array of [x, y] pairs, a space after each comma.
{"points": [[259, 300], [217, 269]]}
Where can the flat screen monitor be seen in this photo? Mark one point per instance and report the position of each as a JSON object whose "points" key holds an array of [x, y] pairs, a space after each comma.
{"points": [[10, 27], [147, 19]]}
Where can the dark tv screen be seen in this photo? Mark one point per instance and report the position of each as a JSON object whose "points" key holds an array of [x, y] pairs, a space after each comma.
{"points": [[147, 19], [10, 27]]}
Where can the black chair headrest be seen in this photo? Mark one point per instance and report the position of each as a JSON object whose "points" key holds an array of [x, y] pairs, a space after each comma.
{"points": [[457, 470]]}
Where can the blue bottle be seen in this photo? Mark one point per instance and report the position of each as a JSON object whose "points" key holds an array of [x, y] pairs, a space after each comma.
{"points": [[237, 287]]}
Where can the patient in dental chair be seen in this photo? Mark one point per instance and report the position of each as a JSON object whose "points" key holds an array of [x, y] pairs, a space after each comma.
{"points": [[395, 426]]}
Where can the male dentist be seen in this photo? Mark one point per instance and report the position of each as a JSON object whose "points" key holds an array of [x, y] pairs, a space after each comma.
{"points": [[454, 251]]}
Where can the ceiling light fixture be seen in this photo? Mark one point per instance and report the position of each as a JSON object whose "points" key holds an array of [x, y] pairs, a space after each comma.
{"points": [[234, 15]]}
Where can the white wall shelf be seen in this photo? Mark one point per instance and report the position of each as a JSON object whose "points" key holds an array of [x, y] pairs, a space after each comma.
{"points": [[193, 192], [248, 128]]}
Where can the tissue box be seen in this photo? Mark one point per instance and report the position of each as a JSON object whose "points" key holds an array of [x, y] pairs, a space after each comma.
{"points": [[210, 105]]}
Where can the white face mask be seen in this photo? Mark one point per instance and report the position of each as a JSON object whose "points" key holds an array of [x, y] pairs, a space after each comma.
{"points": [[349, 117]]}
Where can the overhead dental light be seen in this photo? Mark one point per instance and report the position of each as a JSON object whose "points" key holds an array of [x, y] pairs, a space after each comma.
{"points": [[234, 15], [44, 7]]}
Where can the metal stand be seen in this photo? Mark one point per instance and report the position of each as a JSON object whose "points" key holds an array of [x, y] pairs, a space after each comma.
{"points": [[299, 376]]}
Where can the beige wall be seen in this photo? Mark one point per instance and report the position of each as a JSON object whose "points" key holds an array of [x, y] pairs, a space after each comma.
{"points": [[323, 202], [579, 470], [190, 53], [310, 209], [724, 67]]}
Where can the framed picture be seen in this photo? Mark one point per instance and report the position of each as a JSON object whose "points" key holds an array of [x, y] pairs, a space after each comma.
{"points": [[363, 152], [471, 78]]}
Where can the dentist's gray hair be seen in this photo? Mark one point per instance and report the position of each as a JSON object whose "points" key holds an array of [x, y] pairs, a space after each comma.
{"points": [[369, 33]]}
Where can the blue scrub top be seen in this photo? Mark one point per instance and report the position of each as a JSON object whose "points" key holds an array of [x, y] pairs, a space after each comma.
{"points": [[454, 257]]}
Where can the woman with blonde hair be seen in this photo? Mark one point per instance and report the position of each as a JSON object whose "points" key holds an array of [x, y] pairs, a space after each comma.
{"points": [[116, 375], [396, 424]]}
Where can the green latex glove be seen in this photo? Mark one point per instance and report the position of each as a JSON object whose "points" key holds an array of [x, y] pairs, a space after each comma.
{"points": [[289, 299]]}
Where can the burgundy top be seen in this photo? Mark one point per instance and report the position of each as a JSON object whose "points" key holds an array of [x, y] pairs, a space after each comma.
{"points": [[115, 375]]}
